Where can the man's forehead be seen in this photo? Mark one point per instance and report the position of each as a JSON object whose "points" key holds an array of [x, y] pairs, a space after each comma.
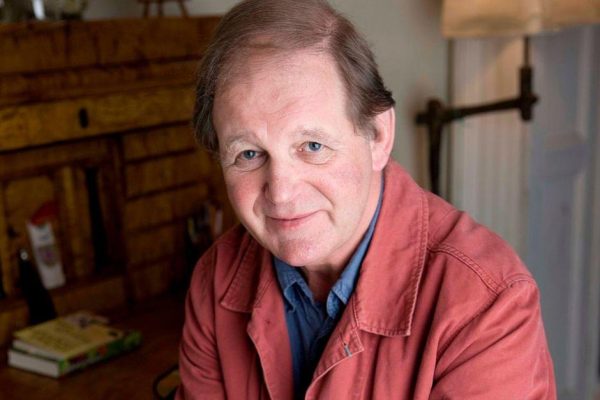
{"points": [[259, 60]]}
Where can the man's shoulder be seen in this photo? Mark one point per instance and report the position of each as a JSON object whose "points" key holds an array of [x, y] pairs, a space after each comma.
{"points": [[468, 247]]}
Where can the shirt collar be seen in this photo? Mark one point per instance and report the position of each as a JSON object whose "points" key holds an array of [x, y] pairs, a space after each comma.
{"points": [[288, 278]]}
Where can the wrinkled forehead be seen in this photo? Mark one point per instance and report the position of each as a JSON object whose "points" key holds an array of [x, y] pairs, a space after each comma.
{"points": [[257, 64], [260, 57], [277, 79]]}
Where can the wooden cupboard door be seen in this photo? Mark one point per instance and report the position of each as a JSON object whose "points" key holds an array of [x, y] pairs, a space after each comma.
{"points": [[79, 183]]}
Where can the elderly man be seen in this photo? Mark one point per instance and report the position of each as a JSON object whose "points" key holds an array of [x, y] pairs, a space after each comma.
{"points": [[345, 280]]}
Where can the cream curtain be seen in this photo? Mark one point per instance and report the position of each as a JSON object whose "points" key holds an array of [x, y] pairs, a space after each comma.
{"points": [[514, 17]]}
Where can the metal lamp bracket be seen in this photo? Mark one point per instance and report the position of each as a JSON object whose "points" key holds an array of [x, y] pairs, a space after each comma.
{"points": [[437, 115]]}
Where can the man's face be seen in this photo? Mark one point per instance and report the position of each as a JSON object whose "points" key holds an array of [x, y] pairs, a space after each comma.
{"points": [[299, 177]]}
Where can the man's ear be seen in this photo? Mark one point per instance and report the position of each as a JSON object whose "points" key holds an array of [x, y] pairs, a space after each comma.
{"points": [[383, 139]]}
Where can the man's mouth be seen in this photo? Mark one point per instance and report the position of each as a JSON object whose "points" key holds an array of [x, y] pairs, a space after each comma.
{"points": [[290, 221]]}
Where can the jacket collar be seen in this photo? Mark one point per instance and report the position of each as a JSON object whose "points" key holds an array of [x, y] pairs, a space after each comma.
{"points": [[386, 292]]}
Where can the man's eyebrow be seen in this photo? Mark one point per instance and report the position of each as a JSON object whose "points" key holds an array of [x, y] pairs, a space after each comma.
{"points": [[233, 141], [318, 134]]}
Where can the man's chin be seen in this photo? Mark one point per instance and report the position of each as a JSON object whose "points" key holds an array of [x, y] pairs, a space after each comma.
{"points": [[299, 253]]}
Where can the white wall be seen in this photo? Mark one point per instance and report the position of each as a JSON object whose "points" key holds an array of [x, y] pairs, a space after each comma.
{"points": [[407, 43], [412, 56]]}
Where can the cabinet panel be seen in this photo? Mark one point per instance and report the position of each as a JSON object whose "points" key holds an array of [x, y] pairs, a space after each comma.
{"points": [[88, 81], [42, 123], [164, 173], [58, 45], [157, 209], [156, 142], [40, 160], [75, 219], [6, 272], [151, 245], [151, 281]]}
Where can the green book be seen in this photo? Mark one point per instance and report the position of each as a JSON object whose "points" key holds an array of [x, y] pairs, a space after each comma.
{"points": [[66, 344]]}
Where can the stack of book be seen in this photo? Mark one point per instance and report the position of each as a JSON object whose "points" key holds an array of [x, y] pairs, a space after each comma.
{"points": [[66, 344]]}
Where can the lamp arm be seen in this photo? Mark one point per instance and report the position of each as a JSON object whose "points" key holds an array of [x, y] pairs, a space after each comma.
{"points": [[437, 115]]}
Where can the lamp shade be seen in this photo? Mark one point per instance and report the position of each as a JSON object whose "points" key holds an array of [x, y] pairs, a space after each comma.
{"points": [[475, 18]]}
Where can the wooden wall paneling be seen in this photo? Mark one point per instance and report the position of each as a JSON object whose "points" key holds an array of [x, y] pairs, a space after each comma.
{"points": [[112, 203], [27, 125], [84, 254], [164, 173], [153, 244], [6, 266], [159, 141], [151, 281], [78, 256], [148, 211], [62, 228], [42, 47], [17, 164], [93, 81]]}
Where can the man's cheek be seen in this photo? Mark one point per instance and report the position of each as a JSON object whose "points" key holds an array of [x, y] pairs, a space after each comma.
{"points": [[239, 196]]}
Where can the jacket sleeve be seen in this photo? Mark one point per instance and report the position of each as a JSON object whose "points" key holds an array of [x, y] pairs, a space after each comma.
{"points": [[199, 365], [500, 354]]}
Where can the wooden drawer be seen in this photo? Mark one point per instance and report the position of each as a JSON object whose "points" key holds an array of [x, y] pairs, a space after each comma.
{"points": [[43, 123]]}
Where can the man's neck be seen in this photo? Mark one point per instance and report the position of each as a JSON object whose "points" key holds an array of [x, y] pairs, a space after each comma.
{"points": [[320, 282]]}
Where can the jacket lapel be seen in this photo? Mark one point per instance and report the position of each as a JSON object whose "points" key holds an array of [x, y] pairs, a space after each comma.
{"points": [[254, 290]]}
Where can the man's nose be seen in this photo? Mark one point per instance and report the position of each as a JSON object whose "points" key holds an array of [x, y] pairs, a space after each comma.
{"points": [[281, 182]]}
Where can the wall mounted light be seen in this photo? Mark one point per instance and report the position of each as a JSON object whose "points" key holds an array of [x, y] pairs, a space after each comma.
{"points": [[493, 18]]}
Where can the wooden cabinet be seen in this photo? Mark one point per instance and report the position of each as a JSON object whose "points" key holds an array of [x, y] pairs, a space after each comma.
{"points": [[94, 119]]}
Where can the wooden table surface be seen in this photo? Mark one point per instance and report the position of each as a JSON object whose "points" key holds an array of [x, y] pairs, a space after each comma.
{"points": [[127, 376]]}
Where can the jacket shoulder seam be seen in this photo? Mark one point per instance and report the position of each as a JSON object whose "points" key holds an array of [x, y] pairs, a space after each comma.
{"points": [[486, 278], [450, 212], [518, 278], [467, 322]]}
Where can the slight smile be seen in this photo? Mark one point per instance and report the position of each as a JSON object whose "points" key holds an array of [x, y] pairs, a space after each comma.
{"points": [[290, 222]]}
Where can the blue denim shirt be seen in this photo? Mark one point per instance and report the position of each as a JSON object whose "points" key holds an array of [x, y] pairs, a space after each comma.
{"points": [[309, 322]]}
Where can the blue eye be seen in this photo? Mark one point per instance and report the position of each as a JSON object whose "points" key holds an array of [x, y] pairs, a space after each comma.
{"points": [[248, 154], [314, 146]]}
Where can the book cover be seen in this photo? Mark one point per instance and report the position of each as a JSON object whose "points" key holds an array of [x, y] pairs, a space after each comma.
{"points": [[50, 365], [69, 335], [68, 343]]}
